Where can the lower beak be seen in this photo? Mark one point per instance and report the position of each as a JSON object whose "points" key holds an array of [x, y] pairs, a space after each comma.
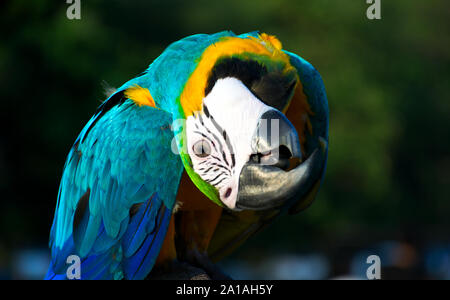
{"points": [[263, 186]]}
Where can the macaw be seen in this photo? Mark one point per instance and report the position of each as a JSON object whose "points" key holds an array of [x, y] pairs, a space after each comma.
{"points": [[220, 135]]}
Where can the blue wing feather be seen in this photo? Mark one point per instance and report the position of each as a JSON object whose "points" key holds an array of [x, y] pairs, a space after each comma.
{"points": [[137, 229], [123, 157], [138, 265]]}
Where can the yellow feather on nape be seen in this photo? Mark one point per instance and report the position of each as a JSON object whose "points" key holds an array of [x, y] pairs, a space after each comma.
{"points": [[271, 40], [141, 96]]}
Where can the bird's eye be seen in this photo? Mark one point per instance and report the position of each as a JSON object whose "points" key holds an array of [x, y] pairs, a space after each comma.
{"points": [[201, 149]]}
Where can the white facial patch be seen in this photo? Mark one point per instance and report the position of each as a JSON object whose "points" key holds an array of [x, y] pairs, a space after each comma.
{"points": [[219, 139]]}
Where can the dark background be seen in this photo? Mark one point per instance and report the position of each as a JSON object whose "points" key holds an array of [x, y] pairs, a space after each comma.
{"points": [[386, 189]]}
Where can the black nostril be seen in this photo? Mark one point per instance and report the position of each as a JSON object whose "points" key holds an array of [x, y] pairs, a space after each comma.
{"points": [[255, 158], [284, 152]]}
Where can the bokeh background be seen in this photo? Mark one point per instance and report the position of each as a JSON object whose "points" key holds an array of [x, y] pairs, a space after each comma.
{"points": [[386, 189]]}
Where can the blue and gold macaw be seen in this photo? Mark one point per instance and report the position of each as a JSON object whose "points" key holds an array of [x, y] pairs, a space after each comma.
{"points": [[220, 135]]}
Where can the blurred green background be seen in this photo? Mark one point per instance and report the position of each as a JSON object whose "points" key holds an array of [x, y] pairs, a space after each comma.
{"points": [[386, 189]]}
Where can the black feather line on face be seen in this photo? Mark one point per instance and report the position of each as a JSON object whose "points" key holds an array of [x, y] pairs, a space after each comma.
{"points": [[206, 111], [230, 148], [218, 168], [209, 169], [213, 164], [247, 71], [214, 136], [216, 158], [274, 88], [217, 183], [224, 136], [211, 181], [221, 165]]}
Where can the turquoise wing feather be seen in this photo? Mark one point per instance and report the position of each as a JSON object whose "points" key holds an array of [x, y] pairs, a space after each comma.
{"points": [[314, 90], [117, 193]]}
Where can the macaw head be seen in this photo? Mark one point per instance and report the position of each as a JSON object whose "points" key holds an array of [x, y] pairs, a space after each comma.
{"points": [[238, 146]]}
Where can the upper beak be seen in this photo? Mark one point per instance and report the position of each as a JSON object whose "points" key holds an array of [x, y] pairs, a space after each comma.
{"points": [[268, 180]]}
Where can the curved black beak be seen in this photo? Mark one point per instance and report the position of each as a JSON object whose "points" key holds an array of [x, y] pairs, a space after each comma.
{"points": [[268, 179]]}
